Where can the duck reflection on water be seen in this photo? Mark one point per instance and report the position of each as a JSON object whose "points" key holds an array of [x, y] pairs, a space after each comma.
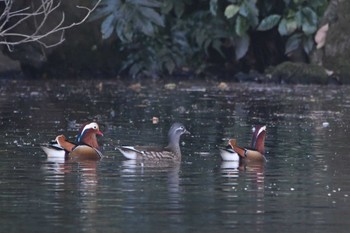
{"points": [[72, 183]]}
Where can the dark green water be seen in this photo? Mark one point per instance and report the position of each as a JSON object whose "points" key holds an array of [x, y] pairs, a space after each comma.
{"points": [[304, 186]]}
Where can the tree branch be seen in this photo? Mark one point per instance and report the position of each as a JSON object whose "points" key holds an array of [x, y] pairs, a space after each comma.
{"points": [[10, 36]]}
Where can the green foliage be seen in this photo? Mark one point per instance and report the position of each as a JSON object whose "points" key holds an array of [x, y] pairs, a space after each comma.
{"points": [[299, 22], [297, 19], [157, 36], [231, 10], [208, 32], [242, 46], [250, 12], [126, 18], [150, 56], [177, 6], [269, 22]]}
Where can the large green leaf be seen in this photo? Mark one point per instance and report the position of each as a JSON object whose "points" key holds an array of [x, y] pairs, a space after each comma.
{"points": [[269, 22], [107, 27], [231, 10], [179, 8], [291, 26], [106, 7], [213, 7], [241, 46], [147, 3], [152, 15], [298, 18], [293, 43], [298, 2], [309, 29], [282, 27], [176, 5], [287, 26], [170, 65], [241, 26], [206, 45], [308, 44], [250, 11], [124, 31], [167, 6], [147, 28], [309, 21], [135, 69], [317, 3], [200, 37], [217, 45]]}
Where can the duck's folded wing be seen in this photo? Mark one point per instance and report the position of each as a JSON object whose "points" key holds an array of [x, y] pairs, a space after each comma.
{"points": [[129, 152], [158, 155], [53, 149], [85, 152], [65, 144], [147, 153]]}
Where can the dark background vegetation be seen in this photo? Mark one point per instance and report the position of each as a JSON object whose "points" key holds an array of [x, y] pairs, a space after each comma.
{"points": [[179, 38]]}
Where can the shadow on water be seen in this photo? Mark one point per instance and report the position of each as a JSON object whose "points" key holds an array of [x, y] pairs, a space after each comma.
{"points": [[304, 185]]}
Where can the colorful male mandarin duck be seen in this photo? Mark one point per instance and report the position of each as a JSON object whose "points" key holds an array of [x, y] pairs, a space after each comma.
{"points": [[171, 152], [228, 154], [85, 148], [255, 153]]}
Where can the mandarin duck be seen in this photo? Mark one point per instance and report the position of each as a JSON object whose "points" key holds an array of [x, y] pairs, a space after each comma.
{"points": [[171, 152], [85, 148], [255, 153], [228, 154]]}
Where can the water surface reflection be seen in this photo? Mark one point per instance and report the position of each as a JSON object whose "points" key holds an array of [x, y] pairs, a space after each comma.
{"points": [[304, 186]]}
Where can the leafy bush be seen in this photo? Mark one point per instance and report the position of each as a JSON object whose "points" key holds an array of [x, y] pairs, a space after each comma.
{"points": [[296, 19], [126, 18], [158, 36]]}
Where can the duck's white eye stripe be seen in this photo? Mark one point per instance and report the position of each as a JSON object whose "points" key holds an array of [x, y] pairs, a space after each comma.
{"points": [[261, 130], [90, 126], [180, 128]]}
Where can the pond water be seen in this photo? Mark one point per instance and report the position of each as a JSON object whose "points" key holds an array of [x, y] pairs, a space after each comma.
{"points": [[303, 187]]}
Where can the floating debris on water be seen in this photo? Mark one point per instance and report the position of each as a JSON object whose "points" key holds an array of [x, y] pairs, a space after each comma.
{"points": [[135, 87], [325, 124], [155, 120], [223, 86], [170, 86]]}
